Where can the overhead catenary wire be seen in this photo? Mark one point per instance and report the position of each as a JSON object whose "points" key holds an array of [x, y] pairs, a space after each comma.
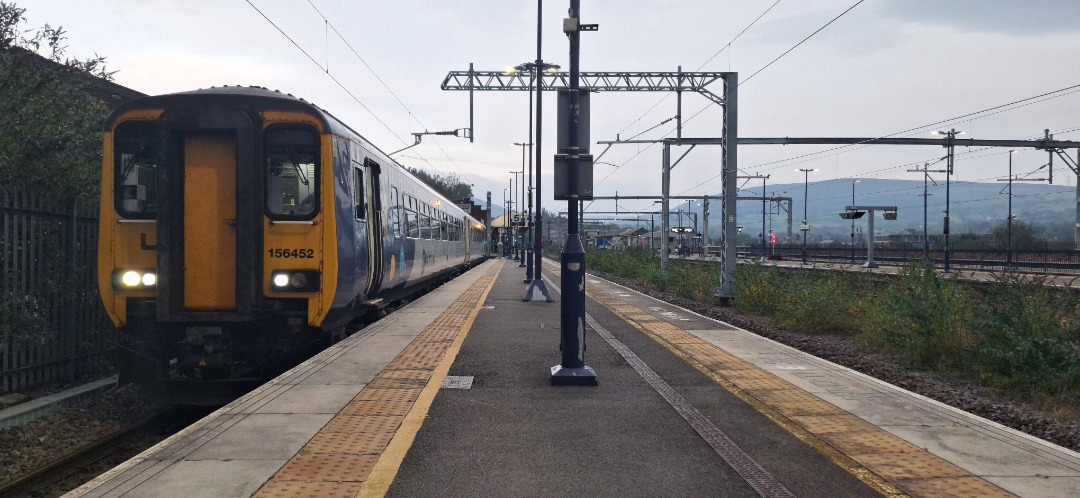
{"points": [[352, 95], [726, 46], [998, 108], [389, 90]]}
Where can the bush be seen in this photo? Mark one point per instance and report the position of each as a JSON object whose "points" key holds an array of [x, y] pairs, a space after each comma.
{"points": [[1027, 343], [924, 317]]}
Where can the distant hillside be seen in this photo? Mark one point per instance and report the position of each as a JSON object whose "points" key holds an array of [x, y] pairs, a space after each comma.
{"points": [[975, 207]]}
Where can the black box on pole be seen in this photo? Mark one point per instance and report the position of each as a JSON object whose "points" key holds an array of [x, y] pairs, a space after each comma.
{"points": [[584, 177], [564, 122]]}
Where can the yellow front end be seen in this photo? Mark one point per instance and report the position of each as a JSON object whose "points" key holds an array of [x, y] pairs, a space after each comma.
{"points": [[299, 256]]}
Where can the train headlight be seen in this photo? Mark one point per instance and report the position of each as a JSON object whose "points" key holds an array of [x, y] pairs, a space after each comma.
{"points": [[295, 280], [134, 279], [131, 278]]}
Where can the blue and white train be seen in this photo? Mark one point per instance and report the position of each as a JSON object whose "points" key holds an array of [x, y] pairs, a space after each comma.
{"points": [[239, 225]]}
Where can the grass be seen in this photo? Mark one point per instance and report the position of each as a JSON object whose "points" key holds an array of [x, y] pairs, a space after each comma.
{"points": [[1018, 335]]}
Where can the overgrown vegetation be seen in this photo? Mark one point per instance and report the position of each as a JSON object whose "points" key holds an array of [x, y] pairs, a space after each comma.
{"points": [[49, 114], [1022, 336]]}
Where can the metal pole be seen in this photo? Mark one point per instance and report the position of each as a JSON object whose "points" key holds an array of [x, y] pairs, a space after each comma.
{"points": [[805, 226], [524, 214], [948, 176], [665, 223], [870, 240], [853, 182], [925, 230], [572, 370], [538, 250], [529, 223], [730, 172], [515, 204], [506, 217], [1008, 225], [763, 217]]}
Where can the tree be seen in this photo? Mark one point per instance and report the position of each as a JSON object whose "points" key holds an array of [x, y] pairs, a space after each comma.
{"points": [[1023, 235], [449, 186], [50, 116]]}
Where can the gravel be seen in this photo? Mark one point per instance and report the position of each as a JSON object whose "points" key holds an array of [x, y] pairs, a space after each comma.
{"points": [[31, 446]]}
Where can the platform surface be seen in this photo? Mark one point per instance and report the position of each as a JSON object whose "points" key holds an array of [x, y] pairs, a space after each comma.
{"points": [[451, 396]]}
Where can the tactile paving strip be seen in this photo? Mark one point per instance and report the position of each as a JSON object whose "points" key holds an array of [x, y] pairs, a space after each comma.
{"points": [[292, 489], [339, 459], [355, 443], [885, 462]]}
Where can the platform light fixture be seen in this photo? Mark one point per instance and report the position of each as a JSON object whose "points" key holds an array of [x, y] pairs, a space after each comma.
{"points": [[950, 146], [805, 226]]}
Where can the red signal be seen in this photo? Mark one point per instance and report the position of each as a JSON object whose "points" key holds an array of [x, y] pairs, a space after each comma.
{"points": [[774, 239]]}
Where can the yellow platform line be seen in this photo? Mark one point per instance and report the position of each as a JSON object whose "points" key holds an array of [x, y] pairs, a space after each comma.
{"points": [[884, 462], [359, 452]]}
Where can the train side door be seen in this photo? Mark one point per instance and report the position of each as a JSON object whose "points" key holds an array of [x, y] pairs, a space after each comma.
{"points": [[209, 223], [375, 226]]}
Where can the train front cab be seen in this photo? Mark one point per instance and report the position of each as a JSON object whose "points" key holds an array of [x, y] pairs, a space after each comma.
{"points": [[218, 245]]}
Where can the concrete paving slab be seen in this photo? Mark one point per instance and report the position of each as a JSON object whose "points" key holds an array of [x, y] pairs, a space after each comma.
{"points": [[1040, 487], [247, 439], [979, 454], [214, 478], [313, 397]]}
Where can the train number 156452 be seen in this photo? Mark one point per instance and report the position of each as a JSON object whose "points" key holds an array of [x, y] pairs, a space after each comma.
{"points": [[291, 253]]}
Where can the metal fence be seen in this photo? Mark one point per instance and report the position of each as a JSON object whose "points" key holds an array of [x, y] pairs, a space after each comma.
{"points": [[53, 328]]}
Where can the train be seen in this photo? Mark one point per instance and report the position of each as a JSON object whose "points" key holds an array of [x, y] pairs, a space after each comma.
{"points": [[243, 229]]}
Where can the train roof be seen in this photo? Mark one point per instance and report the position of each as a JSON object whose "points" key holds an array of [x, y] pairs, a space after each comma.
{"points": [[254, 97], [231, 96]]}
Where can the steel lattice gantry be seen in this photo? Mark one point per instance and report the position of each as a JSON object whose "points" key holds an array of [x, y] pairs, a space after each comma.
{"points": [[623, 81], [602, 81]]}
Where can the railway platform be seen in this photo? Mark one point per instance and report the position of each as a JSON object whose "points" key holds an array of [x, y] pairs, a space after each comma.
{"points": [[450, 396]]}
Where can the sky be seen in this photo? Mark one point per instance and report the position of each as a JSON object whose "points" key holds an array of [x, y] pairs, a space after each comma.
{"points": [[881, 68]]}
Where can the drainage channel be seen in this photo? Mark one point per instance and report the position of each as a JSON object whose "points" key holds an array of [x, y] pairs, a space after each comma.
{"points": [[758, 478]]}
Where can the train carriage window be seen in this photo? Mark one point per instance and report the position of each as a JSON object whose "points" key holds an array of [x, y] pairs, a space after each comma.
{"points": [[425, 226], [412, 224], [445, 227], [436, 226], [358, 193], [292, 163], [395, 220], [136, 170]]}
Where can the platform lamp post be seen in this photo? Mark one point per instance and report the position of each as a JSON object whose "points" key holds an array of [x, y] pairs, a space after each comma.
{"points": [[506, 216], [950, 145], [1008, 222], [805, 226], [764, 255], [514, 222], [532, 273], [525, 260], [853, 182]]}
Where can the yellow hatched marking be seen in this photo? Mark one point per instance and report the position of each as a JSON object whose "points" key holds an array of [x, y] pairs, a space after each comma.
{"points": [[368, 439], [886, 463]]}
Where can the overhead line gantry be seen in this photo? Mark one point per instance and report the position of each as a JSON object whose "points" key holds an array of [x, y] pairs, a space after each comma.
{"points": [[648, 81]]}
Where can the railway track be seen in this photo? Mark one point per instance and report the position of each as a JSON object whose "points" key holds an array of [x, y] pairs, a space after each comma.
{"points": [[89, 460]]}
